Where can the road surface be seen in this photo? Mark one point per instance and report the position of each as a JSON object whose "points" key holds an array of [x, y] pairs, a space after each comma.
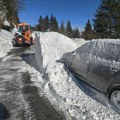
{"points": [[19, 97]]}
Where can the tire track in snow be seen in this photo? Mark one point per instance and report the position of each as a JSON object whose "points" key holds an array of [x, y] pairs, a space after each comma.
{"points": [[18, 95]]}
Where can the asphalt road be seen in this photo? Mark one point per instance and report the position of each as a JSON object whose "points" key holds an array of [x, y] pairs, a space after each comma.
{"points": [[19, 97]]}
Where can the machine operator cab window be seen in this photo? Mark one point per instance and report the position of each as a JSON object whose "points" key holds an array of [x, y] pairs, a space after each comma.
{"points": [[23, 28]]}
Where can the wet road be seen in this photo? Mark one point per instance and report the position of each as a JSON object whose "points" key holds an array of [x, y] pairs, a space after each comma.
{"points": [[19, 97]]}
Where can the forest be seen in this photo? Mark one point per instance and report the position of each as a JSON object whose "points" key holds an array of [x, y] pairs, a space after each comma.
{"points": [[106, 22]]}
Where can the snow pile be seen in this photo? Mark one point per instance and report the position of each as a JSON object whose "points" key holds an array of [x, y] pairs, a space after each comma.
{"points": [[62, 87], [5, 42], [79, 41], [15, 29], [54, 45], [6, 23]]}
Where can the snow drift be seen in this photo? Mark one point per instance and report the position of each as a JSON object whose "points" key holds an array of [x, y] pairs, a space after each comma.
{"points": [[53, 46], [62, 88], [5, 42]]}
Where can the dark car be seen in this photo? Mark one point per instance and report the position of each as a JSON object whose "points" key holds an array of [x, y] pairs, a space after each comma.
{"points": [[98, 63]]}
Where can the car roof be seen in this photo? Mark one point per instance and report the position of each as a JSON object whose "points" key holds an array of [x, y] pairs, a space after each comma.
{"points": [[107, 41]]}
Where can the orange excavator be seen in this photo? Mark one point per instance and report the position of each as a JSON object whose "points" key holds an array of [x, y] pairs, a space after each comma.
{"points": [[23, 36]]}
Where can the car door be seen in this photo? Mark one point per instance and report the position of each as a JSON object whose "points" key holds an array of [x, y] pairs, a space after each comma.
{"points": [[81, 60], [101, 68]]}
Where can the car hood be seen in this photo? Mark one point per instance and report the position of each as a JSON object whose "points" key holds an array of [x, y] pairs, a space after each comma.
{"points": [[66, 56]]}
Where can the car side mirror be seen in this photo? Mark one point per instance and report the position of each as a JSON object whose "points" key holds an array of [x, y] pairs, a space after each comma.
{"points": [[74, 53]]}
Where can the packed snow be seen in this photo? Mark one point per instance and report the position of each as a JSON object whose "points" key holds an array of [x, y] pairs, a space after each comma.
{"points": [[75, 98], [5, 42], [79, 41]]}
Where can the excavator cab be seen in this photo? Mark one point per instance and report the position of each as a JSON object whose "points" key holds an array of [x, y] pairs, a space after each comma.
{"points": [[23, 27]]}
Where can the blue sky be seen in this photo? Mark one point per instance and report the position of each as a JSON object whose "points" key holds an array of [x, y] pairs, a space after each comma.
{"points": [[77, 11]]}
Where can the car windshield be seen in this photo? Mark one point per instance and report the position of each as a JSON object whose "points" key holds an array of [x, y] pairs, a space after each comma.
{"points": [[21, 28]]}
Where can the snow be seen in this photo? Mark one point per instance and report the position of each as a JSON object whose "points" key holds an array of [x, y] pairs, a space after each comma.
{"points": [[79, 41], [5, 42], [58, 45], [14, 30], [6, 23], [101, 55], [76, 99]]}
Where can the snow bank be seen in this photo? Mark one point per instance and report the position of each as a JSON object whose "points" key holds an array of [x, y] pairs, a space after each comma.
{"points": [[6, 23], [5, 42], [53, 46], [62, 88], [79, 41]]}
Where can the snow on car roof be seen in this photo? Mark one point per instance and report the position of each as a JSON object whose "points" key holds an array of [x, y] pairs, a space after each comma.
{"points": [[111, 41]]}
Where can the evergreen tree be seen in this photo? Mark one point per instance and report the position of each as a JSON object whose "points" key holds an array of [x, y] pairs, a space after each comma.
{"points": [[76, 33], [10, 9], [88, 33], [69, 31], [46, 20], [62, 28], [40, 24], [107, 19], [2, 12], [53, 24], [2, 9]]}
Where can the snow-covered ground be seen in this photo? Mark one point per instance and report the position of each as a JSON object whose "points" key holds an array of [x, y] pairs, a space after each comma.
{"points": [[79, 41], [76, 99], [5, 42]]}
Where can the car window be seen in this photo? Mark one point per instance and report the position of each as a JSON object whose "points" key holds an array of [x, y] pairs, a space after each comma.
{"points": [[20, 28], [86, 48], [113, 52], [107, 51]]}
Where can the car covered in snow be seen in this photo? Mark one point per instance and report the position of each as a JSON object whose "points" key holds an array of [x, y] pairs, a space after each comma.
{"points": [[98, 63]]}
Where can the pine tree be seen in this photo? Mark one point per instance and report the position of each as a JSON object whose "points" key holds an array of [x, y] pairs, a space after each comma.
{"points": [[56, 27], [107, 19], [62, 28], [2, 12], [11, 8], [116, 20], [88, 33], [46, 20], [40, 24], [53, 24], [76, 33], [69, 31], [2, 9]]}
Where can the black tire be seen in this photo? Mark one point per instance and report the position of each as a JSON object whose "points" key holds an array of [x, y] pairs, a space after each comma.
{"points": [[14, 45], [114, 96], [31, 41], [65, 62]]}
